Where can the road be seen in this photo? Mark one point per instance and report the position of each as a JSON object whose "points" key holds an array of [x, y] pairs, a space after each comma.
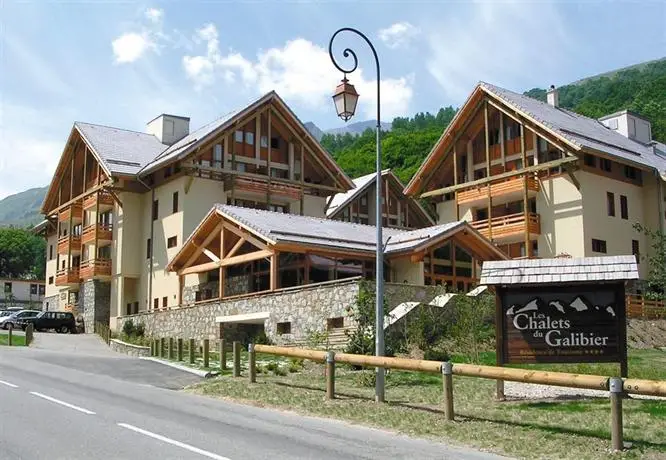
{"points": [[70, 397]]}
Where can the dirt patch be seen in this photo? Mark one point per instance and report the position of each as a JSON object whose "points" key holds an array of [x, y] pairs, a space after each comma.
{"points": [[645, 333]]}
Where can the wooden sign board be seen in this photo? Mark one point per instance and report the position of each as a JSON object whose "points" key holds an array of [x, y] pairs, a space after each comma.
{"points": [[562, 324]]}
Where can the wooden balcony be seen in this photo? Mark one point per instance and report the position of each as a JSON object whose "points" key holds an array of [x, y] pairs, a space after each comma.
{"points": [[509, 228], [95, 268], [104, 234], [65, 244], [501, 192], [103, 197], [76, 211], [260, 187], [67, 277]]}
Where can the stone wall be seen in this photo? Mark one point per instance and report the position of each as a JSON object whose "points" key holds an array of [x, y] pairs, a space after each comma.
{"points": [[95, 303], [234, 285], [128, 348], [51, 303], [307, 308]]}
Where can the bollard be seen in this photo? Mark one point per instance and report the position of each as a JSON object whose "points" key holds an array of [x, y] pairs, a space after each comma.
{"points": [[447, 380], [179, 349], [237, 363], [191, 350], [29, 334], [223, 355], [252, 363], [330, 375], [171, 350], [206, 352], [615, 385], [500, 390], [9, 337]]}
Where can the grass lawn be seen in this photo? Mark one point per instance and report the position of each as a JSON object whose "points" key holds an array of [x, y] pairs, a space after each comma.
{"points": [[17, 340], [577, 429]]}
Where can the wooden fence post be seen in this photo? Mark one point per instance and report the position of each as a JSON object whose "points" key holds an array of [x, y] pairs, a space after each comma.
{"points": [[191, 350], [237, 363], [615, 386], [9, 337], [171, 350], [223, 355], [330, 375], [206, 350], [252, 363], [179, 347], [447, 380]]}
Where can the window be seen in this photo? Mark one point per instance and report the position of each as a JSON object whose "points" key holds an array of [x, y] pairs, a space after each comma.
{"points": [[264, 141], [610, 203], [51, 252], [284, 328], [156, 209], [50, 280], [165, 302], [335, 323], [624, 207], [240, 167], [249, 138], [172, 242], [630, 172], [42, 289], [364, 201], [156, 303], [239, 136], [275, 143], [129, 309], [217, 155], [612, 124], [174, 206], [599, 246], [590, 160], [635, 250], [149, 249], [605, 164], [33, 289], [8, 287]]}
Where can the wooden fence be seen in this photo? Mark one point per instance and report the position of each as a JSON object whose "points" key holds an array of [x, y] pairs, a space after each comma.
{"points": [[640, 307], [615, 385]]}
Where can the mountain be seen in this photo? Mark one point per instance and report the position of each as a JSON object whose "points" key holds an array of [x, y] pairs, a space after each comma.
{"points": [[22, 209], [353, 128]]}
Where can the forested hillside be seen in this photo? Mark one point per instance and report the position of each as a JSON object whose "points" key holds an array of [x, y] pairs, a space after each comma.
{"points": [[22, 209], [640, 88]]}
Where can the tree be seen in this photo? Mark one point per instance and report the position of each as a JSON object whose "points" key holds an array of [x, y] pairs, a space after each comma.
{"points": [[656, 260], [22, 254]]}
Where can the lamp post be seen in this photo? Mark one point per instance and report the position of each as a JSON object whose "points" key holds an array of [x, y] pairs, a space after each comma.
{"points": [[345, 99]]}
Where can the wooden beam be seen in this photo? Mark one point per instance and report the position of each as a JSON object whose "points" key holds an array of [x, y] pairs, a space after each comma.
{"points": [[199, 268], [528, 249], [490, 200], [274, 271], [188, 183], [499, 177], [236, 247], [71, 176], [222, 274], [245, 234], [181, 283], [502, 140], [210, 254], [78, 197], [198, 248], [268, 163], [115, 198], [257, 137], [262, 254], [302, 179], [85, 168], [455, 179], [570, 172]]}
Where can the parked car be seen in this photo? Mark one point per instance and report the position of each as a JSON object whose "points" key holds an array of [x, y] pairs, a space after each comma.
{"points": [[10, 321], [61, 321]]}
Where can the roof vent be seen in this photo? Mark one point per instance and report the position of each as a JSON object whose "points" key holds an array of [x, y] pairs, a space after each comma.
{"points": [[553, 96]]}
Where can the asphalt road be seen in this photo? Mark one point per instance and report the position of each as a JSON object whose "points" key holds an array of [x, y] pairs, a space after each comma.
{"points": [[71, 398]]}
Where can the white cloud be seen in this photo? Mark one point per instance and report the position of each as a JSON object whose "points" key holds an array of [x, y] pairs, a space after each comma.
{"points": [[299, 71], [130, 46], [509, 43], [399, 34], [154, 15]]}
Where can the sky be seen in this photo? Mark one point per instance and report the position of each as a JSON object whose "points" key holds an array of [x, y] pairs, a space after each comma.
{"points": [[121, 63]]}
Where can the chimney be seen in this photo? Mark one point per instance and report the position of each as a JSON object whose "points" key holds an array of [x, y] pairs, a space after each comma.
{"points": [[169, 129], [553, 96]]}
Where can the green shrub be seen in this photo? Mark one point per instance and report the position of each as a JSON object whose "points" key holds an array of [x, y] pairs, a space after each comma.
{"points": [[128, 328], [140, 330], [295, 365], [436, 355], [366, 378]]}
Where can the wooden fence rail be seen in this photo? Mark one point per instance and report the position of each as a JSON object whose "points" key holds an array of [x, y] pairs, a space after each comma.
{"points": [[615, 385], [640, 307]]}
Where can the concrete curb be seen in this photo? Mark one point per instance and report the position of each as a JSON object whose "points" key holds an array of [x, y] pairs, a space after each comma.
{"points": [[204, 374]]}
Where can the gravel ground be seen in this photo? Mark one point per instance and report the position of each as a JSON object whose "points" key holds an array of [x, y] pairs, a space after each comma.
{"points": [[531, 391]]}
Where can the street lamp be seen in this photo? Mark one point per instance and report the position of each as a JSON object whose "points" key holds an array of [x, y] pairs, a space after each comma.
{"points": [[345, 99]]}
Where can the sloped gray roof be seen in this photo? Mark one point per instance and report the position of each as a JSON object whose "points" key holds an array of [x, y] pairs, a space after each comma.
{"points": [[580, 130], [360, 184], [583, 269], [290, 228], [122, 151]]}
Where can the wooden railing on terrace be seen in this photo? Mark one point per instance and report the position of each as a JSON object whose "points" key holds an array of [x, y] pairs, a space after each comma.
{"points": [[640, 307], [105, 199], [74, 209], [68, 276], [261, 186], [509, 225], [104, 233], [95, 267], [64, 244], [497, 189]]}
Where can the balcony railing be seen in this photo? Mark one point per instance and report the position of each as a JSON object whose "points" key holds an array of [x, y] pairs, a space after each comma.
{"points": [[75, 209], [104, 234], [95, 268], [508, 226], [65, 243], [261, 187], [640, 307], [508, 187], [105, 200], [67, 276]]}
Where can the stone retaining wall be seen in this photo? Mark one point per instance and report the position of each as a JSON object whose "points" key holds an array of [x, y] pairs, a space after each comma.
{"points": [[128, 348], [306, 308]]}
